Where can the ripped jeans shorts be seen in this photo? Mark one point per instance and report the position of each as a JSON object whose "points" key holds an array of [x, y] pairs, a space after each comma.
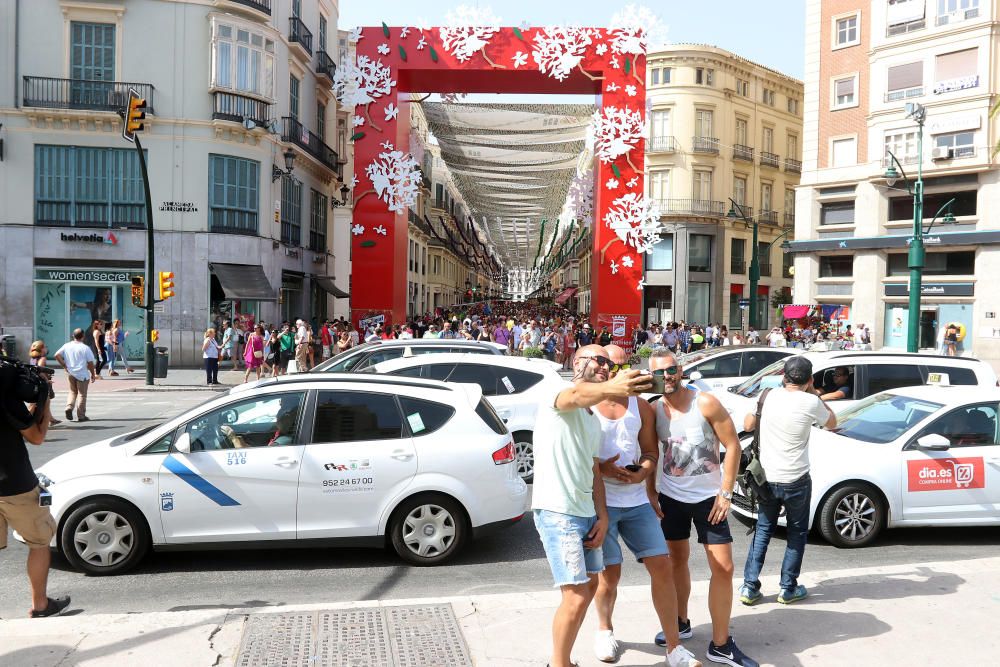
{"points": [[562, 537]]}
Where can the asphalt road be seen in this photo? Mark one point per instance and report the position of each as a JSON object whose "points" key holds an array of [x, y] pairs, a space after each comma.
{"points": [[510, 561]]}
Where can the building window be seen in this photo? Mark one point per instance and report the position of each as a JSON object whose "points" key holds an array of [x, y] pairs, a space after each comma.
{"points": [[662, 257], [765, 197], [845, 92], [704, 76], [92, 58], [793, 106], [903, 145], [291, 211], [789, 203], [767, 137], [317, 222], [787, 270], [836, 213], [293, 97], [77, 186], [243, 65], [847, 31], [737, 255], [743, 87], [740, 189], [792, 147], [321, 120], [654, 76], [735, 312], [836, 266], [699, 302], [703, 123], [322, 33], [905, 16], [901, 208], [232, 194], [659, 124], [659, 184], [764, 258], [768, 97], [700, 253], [297, 8], [958, 144], [741, 132], [954, 11], [665, 73], [959, 263], [702, 185], [904, 81], [844, 152], [956, 71]]}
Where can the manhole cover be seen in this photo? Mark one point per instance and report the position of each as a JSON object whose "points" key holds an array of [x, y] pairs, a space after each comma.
{"points": [[415, 636]]}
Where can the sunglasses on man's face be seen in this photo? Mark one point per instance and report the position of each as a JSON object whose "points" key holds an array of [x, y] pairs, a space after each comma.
{"points": [[599, 360], [669, 370], [620, 367]]}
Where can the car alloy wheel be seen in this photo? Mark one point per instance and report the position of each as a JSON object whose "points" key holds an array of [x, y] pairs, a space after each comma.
{"points": [[524, 456], [429, 530], [852, 515], [855, 517], [104, 539]]}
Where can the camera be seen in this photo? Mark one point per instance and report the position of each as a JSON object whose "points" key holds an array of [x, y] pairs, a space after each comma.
{"points": [[28, 384]]}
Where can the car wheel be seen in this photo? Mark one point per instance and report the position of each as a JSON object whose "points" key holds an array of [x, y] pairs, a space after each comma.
{"points": [[104, 536], [852, 516], [428, 530], [524, 456]]}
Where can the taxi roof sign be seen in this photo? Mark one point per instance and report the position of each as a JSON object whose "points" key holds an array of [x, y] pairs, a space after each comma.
{"points": [[938, 379]]}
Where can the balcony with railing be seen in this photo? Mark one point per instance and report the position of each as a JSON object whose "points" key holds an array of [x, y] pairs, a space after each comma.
{"points": [[237, 108], [82, 94], [789, 218], [661, 145], [262, 6], [325, 65], [769, 159], [747, 211], [794, 166], [705, 145], [293, 132], [741, 152], [299, 34], [291, 233], [705, 207], [738, 266], [768, 217], [904, 94], [903, 28]]}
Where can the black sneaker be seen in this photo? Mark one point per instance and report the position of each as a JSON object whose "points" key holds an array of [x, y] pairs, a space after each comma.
{"points": [[83, 419], [683, 631], [54, 608], [69, 414], [729, 654]]}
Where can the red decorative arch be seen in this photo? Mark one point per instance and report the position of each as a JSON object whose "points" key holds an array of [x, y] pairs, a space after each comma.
{"points": [[418, 61]]}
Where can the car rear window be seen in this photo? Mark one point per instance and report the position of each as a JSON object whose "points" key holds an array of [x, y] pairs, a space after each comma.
{"points": [[488, 415], [425, 416]]}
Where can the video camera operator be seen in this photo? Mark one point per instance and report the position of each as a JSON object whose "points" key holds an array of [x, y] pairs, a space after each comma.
{"points": [[24, 505]]}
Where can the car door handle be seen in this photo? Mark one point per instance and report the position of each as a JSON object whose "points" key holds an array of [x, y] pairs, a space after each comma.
{"points": [[285, 461], [401, 455]]}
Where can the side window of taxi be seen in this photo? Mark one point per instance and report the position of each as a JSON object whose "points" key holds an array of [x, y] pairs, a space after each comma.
{"points": [[350, 416], [254, 422], [968, 426]]}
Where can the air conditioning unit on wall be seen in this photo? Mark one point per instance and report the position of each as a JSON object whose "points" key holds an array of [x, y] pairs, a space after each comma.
{"points": [[941, 153]]}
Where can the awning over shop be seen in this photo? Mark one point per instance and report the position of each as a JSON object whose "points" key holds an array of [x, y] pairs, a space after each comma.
{"points": [[243, 281], [326, 282], [795, 312], [566, 295]]}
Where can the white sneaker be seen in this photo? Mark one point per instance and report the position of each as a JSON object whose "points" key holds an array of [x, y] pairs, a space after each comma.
{"points": [[681, 657], [606, 646]]}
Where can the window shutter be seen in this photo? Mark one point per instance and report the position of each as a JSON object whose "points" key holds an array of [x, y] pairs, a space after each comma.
{"points": [[956, 65], [903, 77], [845, 87]]}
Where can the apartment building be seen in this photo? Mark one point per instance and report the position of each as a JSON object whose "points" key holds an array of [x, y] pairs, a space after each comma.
{"points": [[722, 129], [865, 63], [239, 134]]}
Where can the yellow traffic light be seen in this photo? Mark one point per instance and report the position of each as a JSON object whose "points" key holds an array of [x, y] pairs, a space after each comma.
{"points": [[166, 285], [154, 335], [134, 115]]}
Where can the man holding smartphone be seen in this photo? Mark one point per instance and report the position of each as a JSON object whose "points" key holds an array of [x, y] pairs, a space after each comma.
{"points": [[22, 502], [628, 457], [568, 499], [695, 487]]}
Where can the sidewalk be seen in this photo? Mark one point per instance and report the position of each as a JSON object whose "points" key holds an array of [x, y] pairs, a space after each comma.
{"points": [[921, 614], [178, 379]]}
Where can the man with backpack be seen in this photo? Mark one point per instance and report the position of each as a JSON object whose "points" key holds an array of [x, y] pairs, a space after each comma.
{"points": [[787, 416]]}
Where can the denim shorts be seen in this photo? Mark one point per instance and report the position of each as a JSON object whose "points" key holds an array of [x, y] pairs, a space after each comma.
{"points": [[562, 538], [639, 528]]}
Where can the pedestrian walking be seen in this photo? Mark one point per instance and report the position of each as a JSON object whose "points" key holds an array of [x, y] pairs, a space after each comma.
{"points": [[326, 339], [628, 457], [115, 344], [787, 416], [37, 357], [286, 349], [21, 505], [693, 488], [210, 350], [253, 354], [228, 342], [78, 360], [568, 501], [97, 344]]}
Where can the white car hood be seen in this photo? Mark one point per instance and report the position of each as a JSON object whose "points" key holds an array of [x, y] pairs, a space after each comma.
{"points": [[83, 461]]}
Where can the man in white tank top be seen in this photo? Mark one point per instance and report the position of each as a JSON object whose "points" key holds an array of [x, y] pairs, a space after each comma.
{"points": [[694, 488], [628, 456]]}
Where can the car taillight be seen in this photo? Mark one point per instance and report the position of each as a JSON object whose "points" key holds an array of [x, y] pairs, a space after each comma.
{"points": [[505, 454]]}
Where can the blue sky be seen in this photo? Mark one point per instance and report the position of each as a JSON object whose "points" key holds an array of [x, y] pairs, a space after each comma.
{"points": [[770, 32]]}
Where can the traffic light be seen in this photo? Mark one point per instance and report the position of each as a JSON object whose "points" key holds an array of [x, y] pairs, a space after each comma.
{"points": [[166, 285], [154, 335], [137, 291], [134, 115]]}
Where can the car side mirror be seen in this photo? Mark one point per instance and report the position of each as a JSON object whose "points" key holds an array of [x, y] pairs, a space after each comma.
{"points": [[183, 443], [934, 442], [695, 375]]}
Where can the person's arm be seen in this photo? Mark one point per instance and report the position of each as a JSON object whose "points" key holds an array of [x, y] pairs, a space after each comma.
{"points": [[824, 415], [837, 395], [61, 360], [725, 431], [600, 529], [35, 434], [587, 394], [750, 421], [93, 373]]}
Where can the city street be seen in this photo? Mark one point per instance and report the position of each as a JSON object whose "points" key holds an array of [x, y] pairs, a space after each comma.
{"points": [[509, 562]]}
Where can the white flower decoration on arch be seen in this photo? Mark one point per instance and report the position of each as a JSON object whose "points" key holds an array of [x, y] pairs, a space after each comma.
{"points": [[581, 195], [469, 31], [558, 50], [395, 178], [616, 133], [633, 28], [362, 83], [635, 220]]}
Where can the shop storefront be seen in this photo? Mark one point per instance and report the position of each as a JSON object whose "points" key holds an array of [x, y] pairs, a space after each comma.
{"points": [[236, 294], [935, 316], [66, 299]]}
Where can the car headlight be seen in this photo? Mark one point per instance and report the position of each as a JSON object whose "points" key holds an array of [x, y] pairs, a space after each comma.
{"points": [[43, 480]]}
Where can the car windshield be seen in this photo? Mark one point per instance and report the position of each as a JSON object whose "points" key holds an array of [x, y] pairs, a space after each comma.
{"points": [[691, 357], [344, 361], [883, 417], [752, 386]]}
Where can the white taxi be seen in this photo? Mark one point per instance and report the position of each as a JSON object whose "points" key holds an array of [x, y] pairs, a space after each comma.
{"points": [[340, 459], [915, 456]]}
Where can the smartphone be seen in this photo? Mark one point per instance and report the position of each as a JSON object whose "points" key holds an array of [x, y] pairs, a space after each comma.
{"points": [[657, 381], [633, 467]]}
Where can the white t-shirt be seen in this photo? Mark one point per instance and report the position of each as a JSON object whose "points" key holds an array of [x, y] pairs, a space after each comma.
{"points": [[75, 356], [785, 425], [566, 442], [621, 437]]}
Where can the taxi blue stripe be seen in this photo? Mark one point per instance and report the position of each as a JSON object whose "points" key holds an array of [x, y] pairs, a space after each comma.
{"points": [[199, 483]]}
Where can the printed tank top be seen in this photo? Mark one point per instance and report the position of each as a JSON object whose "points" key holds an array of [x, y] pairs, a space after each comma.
{"points": [[689, 462]]}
